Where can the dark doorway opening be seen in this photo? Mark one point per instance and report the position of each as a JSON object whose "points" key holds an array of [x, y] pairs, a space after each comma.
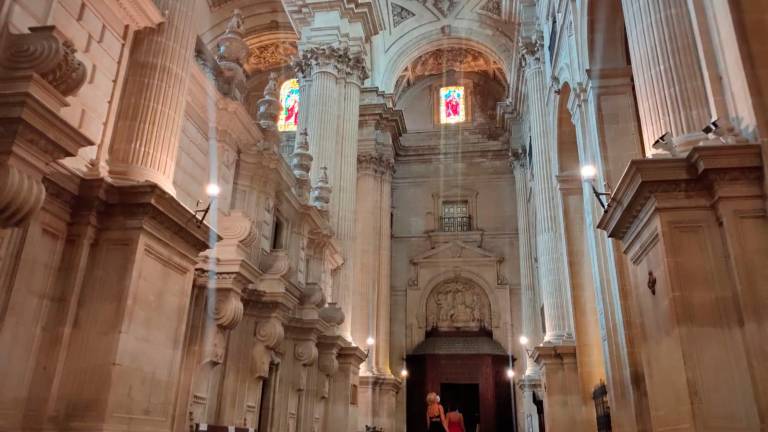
{"points": [[465, 398]]}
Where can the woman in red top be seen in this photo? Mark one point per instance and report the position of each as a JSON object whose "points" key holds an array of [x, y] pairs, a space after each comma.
{"points": [[455, 420]]}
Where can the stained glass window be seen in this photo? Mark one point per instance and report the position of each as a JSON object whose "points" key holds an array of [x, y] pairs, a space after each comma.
{"points": [[452, 105], [289, 100]]}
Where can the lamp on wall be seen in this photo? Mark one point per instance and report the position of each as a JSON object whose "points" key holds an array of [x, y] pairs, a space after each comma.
{"points": [[369, 343], [212, 190], [588, 174]]}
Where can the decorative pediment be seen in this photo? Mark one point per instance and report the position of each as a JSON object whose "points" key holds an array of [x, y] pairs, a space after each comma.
{"points": [[456, 251]]}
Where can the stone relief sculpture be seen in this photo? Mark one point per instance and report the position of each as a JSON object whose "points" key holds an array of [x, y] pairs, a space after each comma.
{"points": [[458, 304]]}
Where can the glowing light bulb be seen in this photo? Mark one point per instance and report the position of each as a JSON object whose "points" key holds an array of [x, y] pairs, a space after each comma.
{"points": [[370, 341], [588, 172], [404, 373], [212, 190], [510, 373], [523, 340]]}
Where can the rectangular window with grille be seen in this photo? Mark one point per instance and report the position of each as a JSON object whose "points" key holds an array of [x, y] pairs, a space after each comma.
{"points": [[455, 216]]}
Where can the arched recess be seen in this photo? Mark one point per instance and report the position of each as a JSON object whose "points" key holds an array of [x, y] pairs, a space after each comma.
{"points": [[588, 339], [403, 54], [438, 280]]}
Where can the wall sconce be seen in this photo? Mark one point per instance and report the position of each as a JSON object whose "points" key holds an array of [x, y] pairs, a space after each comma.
{"points": [[369, 342], [588, 174], [664, 143], [510, 373], [212, 190], [524, 343]]}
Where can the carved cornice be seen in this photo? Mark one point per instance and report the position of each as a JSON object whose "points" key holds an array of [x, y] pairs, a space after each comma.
{"points": [[146, 205], [706, 171], [365, 12], [139, 13]]}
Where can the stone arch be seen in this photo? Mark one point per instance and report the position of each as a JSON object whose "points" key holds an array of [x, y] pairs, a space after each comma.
{"points": [[438, 280], [403, 53]]}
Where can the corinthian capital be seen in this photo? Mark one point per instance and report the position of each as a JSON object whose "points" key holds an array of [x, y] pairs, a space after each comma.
{"points": [[530, 50], [334, 59], [47, 53]]}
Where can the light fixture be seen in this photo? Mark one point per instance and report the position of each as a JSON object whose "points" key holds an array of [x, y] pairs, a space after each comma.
{"points": [[404, 373], [370, 341], [588, 174], [510, 373], [712, 128], [664, 143], [212, 190], [523, 340]]}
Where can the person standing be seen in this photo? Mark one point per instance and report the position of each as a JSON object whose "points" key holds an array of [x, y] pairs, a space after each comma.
{"points": [[435, 414], [454, 420]]}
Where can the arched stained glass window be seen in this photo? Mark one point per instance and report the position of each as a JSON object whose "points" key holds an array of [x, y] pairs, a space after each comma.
{"points": [[452, 105], [289, 101]]}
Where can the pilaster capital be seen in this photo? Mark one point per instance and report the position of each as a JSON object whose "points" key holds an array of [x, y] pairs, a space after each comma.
{"points": [[375, 164], [530, 50], [519, 160], [227, 310], [335, 59]]}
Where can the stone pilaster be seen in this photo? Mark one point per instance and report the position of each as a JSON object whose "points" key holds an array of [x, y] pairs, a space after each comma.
{"points": [[527, 268], [149, 120], [529, 386], [552, 271], [671, 91]]}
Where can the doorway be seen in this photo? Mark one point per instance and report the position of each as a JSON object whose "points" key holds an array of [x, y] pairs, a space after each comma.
{"points": [[465, 398]]}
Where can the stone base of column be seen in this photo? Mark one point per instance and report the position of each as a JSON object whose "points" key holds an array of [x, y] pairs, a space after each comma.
{"points": [[343, 404], [530, 387], [378, 400], [560, 382], [121, 174], [134, 302]]}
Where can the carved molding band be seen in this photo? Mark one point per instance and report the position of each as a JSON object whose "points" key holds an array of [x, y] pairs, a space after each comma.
{"points": [[46, 52]]}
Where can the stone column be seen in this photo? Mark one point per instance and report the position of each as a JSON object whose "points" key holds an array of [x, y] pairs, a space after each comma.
{"points": [[671, 91], [552, 271], [149, 119], [527, 272], [334, 103]]}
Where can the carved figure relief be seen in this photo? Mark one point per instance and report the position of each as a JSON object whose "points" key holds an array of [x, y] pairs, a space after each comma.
{"points": [[458, 304]]}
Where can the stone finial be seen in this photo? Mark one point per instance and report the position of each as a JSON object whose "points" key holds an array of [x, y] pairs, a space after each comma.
{"points": [[321, 192], [301, 159], [271, 91], [46, 52], [269, 107], [332, 314], [231, 53]]}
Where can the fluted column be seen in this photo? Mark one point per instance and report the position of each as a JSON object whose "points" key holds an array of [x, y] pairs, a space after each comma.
{"points": [[345, 194], [552, 275], [527, 275], [383, 299], [372, 301], [671, 91], [149, 119], [331, 118]]}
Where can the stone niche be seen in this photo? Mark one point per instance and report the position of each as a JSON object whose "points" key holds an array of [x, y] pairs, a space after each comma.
{"points": [[458, 304]]}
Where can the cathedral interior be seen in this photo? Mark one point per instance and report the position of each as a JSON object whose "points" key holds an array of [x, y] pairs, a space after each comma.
{"points": [[306, 215]]}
